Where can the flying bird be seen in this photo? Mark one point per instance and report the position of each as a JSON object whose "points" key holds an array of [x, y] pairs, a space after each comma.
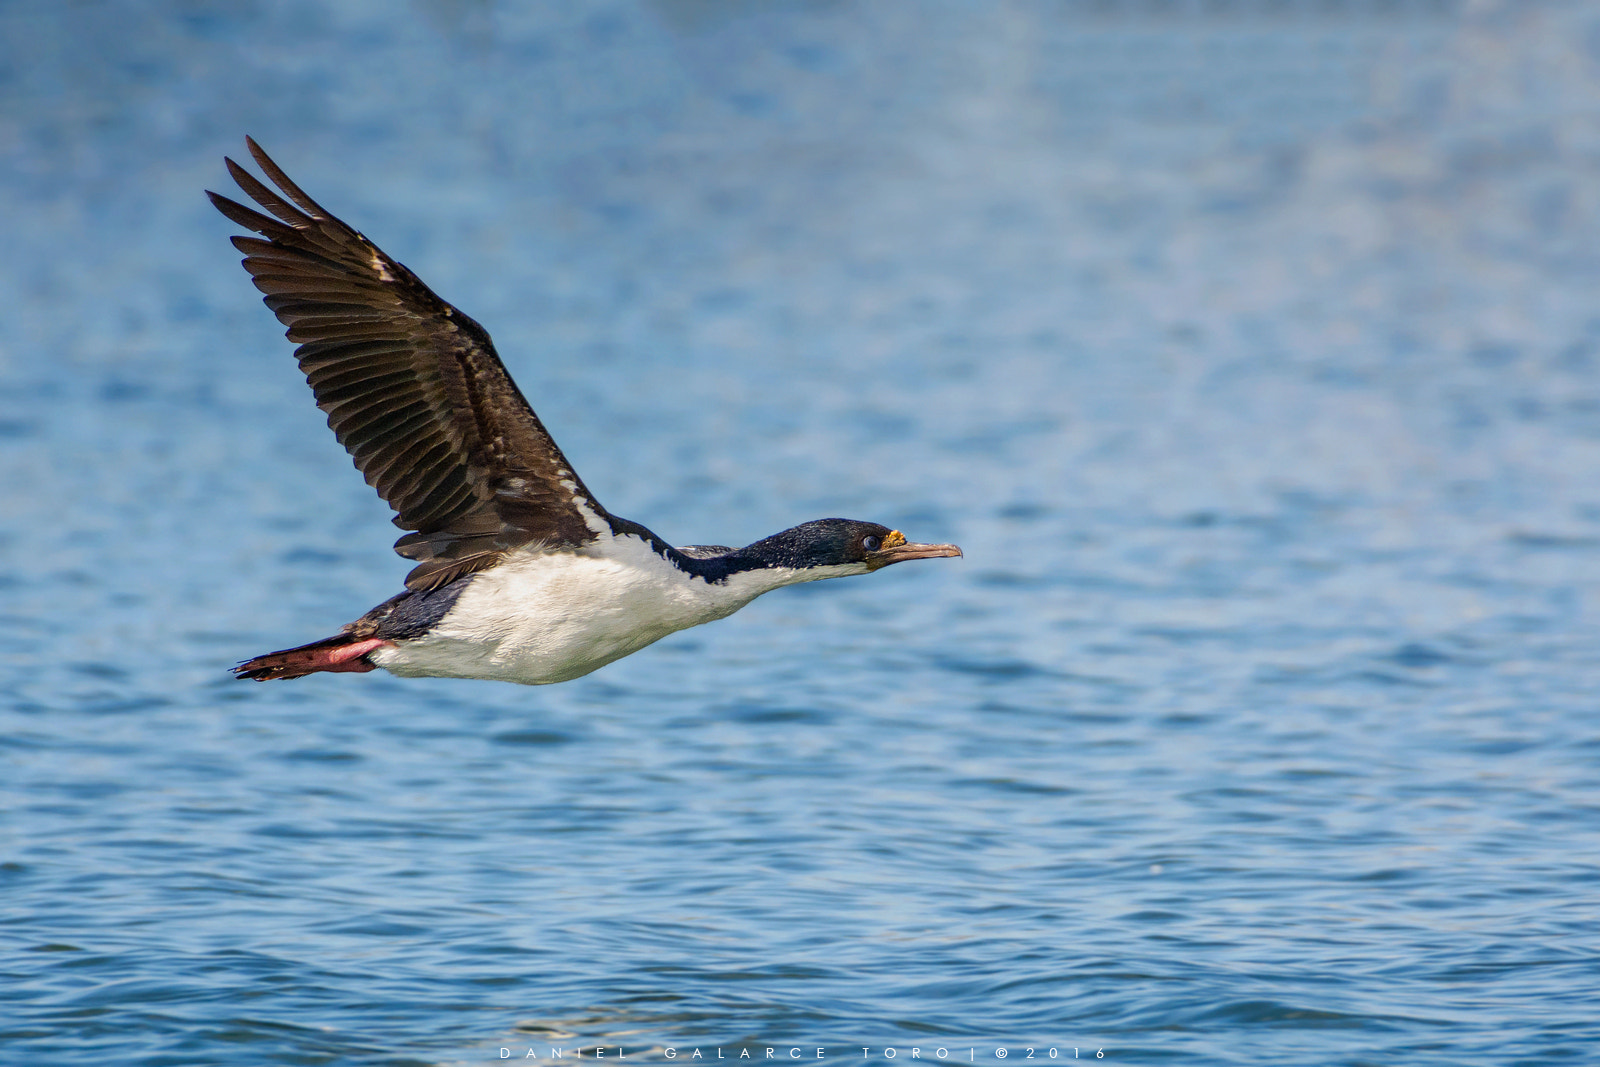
{"points": [[521, 575]]}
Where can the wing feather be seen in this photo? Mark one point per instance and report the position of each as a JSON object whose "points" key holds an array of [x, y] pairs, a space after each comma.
{"points": [[412, 388]]}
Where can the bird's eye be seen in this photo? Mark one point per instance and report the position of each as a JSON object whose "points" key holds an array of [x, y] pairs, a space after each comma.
{"points": [[871, 542]]}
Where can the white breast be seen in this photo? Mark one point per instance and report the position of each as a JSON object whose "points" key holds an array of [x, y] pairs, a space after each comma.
{"points": [[542, 617]]}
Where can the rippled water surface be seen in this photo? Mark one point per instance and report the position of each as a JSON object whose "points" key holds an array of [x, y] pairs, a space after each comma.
{"points": [[1248, 350]]}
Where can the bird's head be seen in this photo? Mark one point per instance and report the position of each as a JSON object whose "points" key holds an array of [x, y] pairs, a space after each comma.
{"points": [[838, 547]]}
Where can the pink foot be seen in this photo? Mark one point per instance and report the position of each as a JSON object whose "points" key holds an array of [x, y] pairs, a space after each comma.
{"points": [[348, 657]]}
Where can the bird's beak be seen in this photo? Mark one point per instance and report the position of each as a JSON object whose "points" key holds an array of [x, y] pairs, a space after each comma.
{"points": [[896, 549]]}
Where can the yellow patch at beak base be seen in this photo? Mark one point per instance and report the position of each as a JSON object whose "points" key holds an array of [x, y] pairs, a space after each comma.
{"points": [[893, 539]]}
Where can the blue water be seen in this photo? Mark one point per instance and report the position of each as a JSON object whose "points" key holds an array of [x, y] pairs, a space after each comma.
{"points": [[1251, 351]]}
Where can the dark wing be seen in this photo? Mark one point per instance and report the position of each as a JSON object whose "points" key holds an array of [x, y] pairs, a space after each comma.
{"points": [[412, 387], [704, 551]]}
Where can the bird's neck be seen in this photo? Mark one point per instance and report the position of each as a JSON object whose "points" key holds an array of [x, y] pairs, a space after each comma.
{"points": [[762, 566]]}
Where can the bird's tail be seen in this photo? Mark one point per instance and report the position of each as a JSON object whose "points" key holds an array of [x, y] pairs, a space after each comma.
{"points": [[342, 652]]}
